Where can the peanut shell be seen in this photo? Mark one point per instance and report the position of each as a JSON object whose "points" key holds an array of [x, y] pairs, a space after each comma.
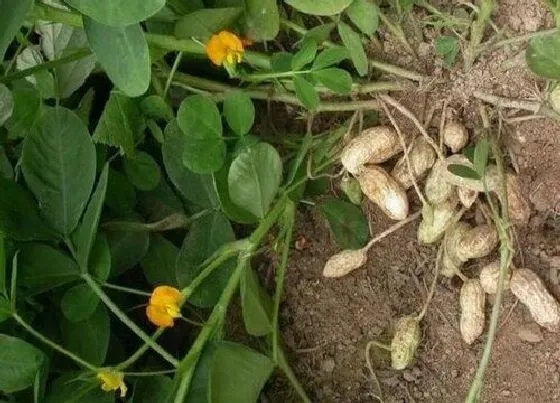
{"points": [[531, 291], [519, 208], [405, 342], [433, 226], [467, 196], [437, 189], [472, 300], [373, 146], [344, 262], [489, 276], [422, 157], [476, 242], [384, 191], [455, 136], [450, 263]]}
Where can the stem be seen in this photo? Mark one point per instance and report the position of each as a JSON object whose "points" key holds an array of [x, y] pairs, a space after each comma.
{"points": [[477, 31], [392, 229], [269, 76], [127, 321], [502, 225], [287, 370], [172, 73], [280, 276], [138, 353], [53, 345], [502, 102], [187, 365], [79, 54], [125, 289], [520, 38], [174, 221]]}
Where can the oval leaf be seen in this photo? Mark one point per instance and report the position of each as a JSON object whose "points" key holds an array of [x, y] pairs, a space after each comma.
{"points": [[20, 363], [59, 163], [199, 117], [143, 171], [159, 261], [12, 16], [330, 56], [254, 178], [123, 53], [256, 304], [239, 112], [79, 303], [353, 43], [337, 80], [204, 156], [543, 56], [205, 22], [118, 12], [305, 55], [347, 222], [127, 249], [315, 7], [364, 15], [306, 93], [100, 258], [262, 19]]}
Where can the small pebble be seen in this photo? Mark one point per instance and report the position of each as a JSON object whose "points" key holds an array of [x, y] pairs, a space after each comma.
{"points": [[328, 365], [530, 333], [454, 373]]}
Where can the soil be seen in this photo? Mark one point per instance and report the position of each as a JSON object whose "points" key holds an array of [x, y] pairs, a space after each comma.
{"points": [[326, 323]]}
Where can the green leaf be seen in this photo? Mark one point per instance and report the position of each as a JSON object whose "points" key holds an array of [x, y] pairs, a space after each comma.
{"points": [[448, 47], [127, 249], [27, 109], [84, 236], [159, 262], [120, 124], [65, 389], [314, 7], [205, 22], [123, 53], [20, 363], [347, 222], [120, 195], [239, 112], [156, 131], [320, 33], [79, 303], [207, 234], [305, 55], [5, 309], [58, 162], [254, 178], [237, 374], [6, 104], [197, 189], [354, 45], [143, 171], [155, 389], [256, 303], [334, 79], [118, 13], [42, 268], [100, 258], [19, 216], [43, 79], [230, 209], [330, 56], [364, 15], [12, 16], [6, 168], [155, 107], [3, 288], [198, 116], [204, 156], [306, 93], [463, 171], [543, 56], [281, 62], [262, 19], [481, 152], [89, 338]]}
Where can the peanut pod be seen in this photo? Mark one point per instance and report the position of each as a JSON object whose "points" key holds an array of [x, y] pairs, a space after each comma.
{"points": [[421, 156], [450, 263], [472, 300], [455, 136], [437, 189], [467, 197], [489, 276], [373, 146], [405, 342], [531, 291], [384, 191], [345, 262], [476, 242], [433, 225]]}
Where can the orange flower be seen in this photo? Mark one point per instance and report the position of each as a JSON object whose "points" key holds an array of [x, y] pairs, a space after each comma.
{"points": [[163, 307], [225, 47], [111, 381]]}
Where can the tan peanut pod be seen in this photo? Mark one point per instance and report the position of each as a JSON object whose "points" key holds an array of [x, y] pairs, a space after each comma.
{"points": [[451, 264], [421, 156], [433, 226], [472, 300], [345, 262], [467, 196], [384, 191], [405, 342], [531, 291], [373, 146], [519, 208], [489, 276], [455, 136], [436, 189], [554, 98], [476, 242]]}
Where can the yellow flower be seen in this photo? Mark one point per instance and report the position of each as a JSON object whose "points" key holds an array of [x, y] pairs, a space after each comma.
{"points": [[225, 47], [163, 307], [111, 381]]}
